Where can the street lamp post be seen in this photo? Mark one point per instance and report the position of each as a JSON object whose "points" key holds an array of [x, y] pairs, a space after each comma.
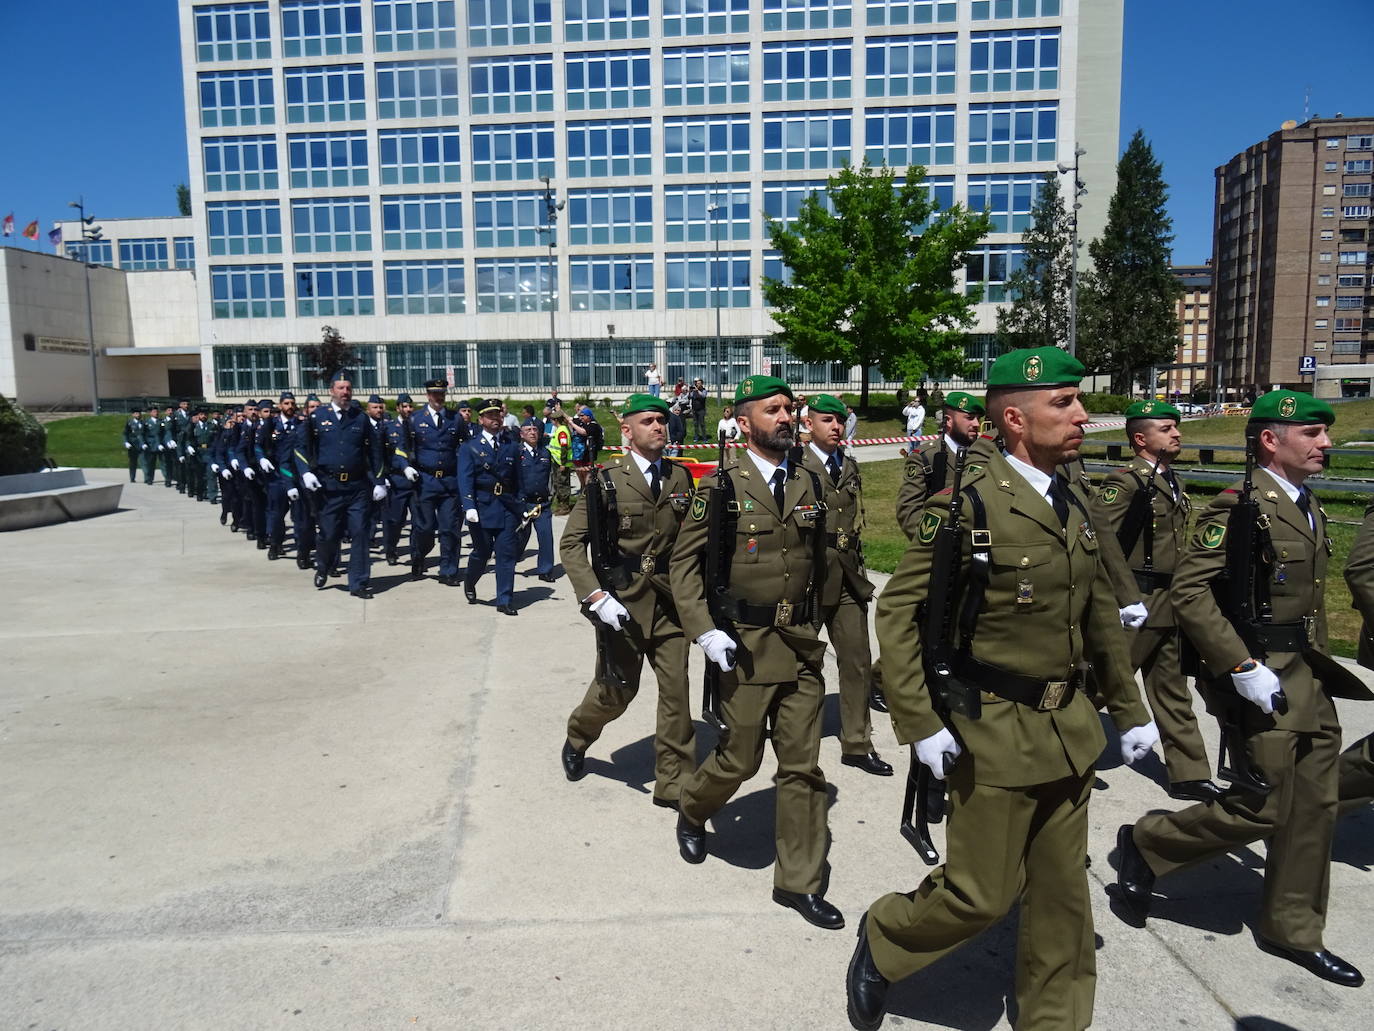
{"points": [[715, 210], [89, 235], [551, 209], [1079, 190]]}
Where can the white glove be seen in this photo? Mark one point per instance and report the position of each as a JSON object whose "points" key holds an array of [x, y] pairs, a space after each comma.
{"points": [[190, 451], [248, 473], [128, 446], [265, 465], [411, 474], [932, 751], [233, 463], [379, 492], [214, 468], [610, 612], [719, 648], [1138, 742], [470, 515], [1133, 615], [227, 474], [310, 481], [292, 493], [1257, 686]]}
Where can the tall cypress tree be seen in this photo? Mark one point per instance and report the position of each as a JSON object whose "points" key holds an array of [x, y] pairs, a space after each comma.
{"points": [[1038, 314], [1128, 319]]}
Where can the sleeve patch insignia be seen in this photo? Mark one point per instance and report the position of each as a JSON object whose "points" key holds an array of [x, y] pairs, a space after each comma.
{"points": [[930, 526], [1211, 536], [911, 471], [699, 507], [1110, 494]]}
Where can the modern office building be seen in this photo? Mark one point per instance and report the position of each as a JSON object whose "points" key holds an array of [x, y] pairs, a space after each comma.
{"points": [[1290, 255], [521, 192], [1194, 310]]}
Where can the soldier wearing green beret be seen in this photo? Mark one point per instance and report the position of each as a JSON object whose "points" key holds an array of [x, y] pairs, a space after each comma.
{"points": [[1022, 768], [1147, 510], [641, 500], [848, 590], [1295, 748], [927, 466], [760, 632]]}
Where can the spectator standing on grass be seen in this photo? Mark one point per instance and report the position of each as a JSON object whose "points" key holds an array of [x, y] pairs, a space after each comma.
{"points": [[915, 415], [727, 424], [654, 378], [851, 422], [697, 395]]}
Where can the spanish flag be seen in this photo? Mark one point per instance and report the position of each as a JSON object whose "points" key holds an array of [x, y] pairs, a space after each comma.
{"points": [[31, 230]]}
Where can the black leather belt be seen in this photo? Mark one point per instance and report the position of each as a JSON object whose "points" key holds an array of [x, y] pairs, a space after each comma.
{"points": [[645, 563], [341, 473], [1286, 637], [784, 613], [1014, 687], [842, 541], [1151, 580], [535, 499]]}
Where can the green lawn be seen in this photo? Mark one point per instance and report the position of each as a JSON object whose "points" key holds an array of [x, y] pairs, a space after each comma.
{"points": [[88, 441]]}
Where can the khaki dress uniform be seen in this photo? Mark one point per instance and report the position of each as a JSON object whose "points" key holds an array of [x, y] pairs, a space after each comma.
{"points": [[844, 601], [1297, 751], [1019, 820], [1155, 646], [777, 677], [647, 530], [1357, 762], [918, 470]]}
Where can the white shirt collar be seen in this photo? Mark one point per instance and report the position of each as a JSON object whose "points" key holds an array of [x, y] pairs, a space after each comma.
{"points": [[1040, 482], [490, 438], [825, 459], [766, 468], [643, 464], [1288, 488], [335, 405], [952, 444]]}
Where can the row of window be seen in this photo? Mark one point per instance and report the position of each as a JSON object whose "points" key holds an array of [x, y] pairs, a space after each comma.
{"points": [[327, 28], [899, 66], [697, 144], [602, 215], [525, 284], [137, 254]]}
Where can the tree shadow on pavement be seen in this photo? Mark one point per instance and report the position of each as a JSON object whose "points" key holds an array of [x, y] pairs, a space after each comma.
{"points": [[963, 990]]}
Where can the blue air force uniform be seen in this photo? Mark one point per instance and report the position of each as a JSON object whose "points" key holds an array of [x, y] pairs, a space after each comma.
{"points": [[429, 441], [533, 470], [276, 442], [486, 472], [250, 479], [342, 449], [220, 447], [400, 501]]}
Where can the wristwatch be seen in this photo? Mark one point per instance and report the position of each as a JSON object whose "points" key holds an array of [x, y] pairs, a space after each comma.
{"points": [[1248, 666]]}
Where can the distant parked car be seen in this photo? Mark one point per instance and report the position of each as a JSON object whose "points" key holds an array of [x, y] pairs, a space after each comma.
{"points": [[1188, 408]]}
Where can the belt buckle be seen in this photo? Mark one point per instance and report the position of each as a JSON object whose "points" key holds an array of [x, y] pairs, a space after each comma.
{"points": [[1309, 624], [842, 541], [1054, 694], [439, 474], [783, 617], [496, 490], [342, 477], [646, 564]]}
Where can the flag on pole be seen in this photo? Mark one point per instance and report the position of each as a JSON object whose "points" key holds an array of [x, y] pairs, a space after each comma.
{"points": [[9, 224], [31, 230], [55, 236]]}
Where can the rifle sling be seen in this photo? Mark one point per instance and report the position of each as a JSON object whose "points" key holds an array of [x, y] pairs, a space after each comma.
{"points": [[979, 568]]}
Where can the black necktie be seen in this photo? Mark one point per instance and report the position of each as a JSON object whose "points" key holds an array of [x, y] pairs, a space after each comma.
{"points": [[834, 464], [1305, 503], [1172, 481], [1059, 500], [779, 478], [655, 480]]}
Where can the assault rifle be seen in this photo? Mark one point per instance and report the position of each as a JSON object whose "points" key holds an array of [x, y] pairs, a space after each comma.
{"points": [[720, 545], [605, 554], [1140, 517], [923, 803]]}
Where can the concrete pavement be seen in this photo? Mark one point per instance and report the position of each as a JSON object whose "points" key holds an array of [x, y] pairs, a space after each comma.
{"points": [[231, 801]]}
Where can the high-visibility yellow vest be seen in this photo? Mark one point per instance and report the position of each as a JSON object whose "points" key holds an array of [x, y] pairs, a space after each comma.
{"points": [[560, 444]]}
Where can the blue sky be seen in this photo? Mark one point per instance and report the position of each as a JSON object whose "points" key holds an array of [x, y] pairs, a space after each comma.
{"points": [[1203, 79]]}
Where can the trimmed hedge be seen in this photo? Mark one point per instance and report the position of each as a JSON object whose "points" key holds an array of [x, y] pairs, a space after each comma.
{"points": [[23, 442]]}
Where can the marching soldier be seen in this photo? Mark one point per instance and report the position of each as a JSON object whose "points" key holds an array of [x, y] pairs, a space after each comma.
{"points": [[220, 457], [133, 441], [181, 429], [425, 447], [640, 502], [760, 632], [151, 444], [844, 603], [193, 462], [1013, 719], [340, 456], [1293, 737], [1357, 761], [1147, 510], [529, 502], [275, 449], [483, 476], [256, 413], [400, 499], [169, 451]]}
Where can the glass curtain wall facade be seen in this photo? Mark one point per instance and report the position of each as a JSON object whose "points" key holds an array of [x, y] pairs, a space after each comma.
{"points": [[378, 165]]}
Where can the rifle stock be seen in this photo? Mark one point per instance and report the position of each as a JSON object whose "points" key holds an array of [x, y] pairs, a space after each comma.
{"points": [[716, 575], [603, 553]]}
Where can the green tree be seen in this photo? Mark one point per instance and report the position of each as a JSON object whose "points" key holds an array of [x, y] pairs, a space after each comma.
{"points": [[183, 198], [23, 441], [873, 283], [1038, 314], [332, 353], [1128, 319]]}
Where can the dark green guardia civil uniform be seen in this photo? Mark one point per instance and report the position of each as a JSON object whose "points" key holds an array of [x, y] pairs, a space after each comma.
{"points": [[1020, 789], [133, 442], [1155, 646], [1296, 751], [646, 530], [777, 679]]}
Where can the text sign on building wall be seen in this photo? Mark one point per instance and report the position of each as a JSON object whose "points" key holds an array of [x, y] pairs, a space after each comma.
{"points": [[1307, 365], [60, 345]]}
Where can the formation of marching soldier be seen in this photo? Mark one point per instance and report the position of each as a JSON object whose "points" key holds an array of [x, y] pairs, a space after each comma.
{"points": [[1026, 602], [349, 474]]}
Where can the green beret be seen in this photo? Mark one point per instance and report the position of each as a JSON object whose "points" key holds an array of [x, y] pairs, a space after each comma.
{"points": [[754, 388], [828, 404], [637, 403], [1036, 367], [962, 402], [1293, 406], [1153, 410]]}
